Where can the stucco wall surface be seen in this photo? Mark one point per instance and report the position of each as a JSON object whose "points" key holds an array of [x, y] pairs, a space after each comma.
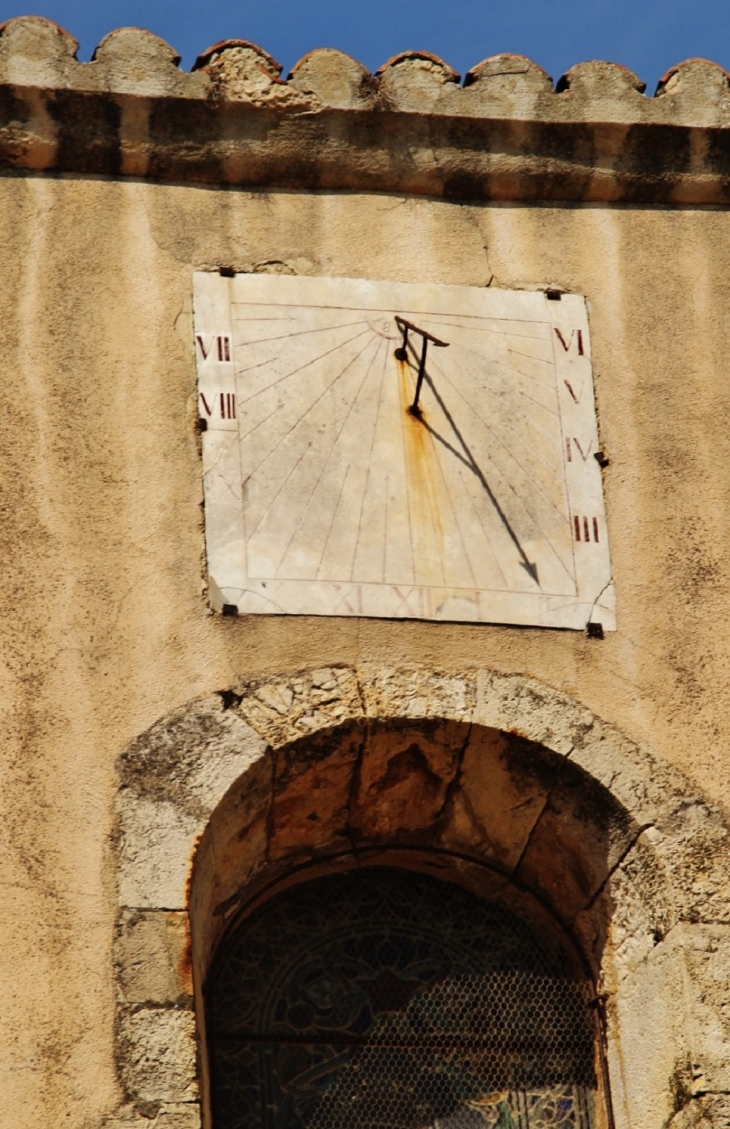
{"points": [[105, 626]]}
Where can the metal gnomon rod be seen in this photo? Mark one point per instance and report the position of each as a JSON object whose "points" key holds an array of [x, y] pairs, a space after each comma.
{"points": [[402, 354]]}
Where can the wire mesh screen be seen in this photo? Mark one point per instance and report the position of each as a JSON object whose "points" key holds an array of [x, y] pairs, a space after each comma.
{"points": [[386, 999]]}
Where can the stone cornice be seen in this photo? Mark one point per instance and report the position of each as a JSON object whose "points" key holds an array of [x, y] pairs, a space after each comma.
{"points": [[507, 134]]}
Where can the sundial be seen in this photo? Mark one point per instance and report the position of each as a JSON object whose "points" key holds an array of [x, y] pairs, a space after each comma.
{"points": [[400, 451]]}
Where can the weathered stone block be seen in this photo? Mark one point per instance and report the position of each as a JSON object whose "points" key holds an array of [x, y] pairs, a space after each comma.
{"points": [[637, 913], [134, 61], [693, 846], [504, 784], [706, 950], [158, 1055], [312, 788], [334, 78], [403, 778], [283, 709], [503, 86], [241, 70], [516, 705], [178, 1115], [415, 692], [36, 52], [157, 843], [597, 91], [414, 81], [710, 1111], [695, 92], [152, 957], [648, 1041]]}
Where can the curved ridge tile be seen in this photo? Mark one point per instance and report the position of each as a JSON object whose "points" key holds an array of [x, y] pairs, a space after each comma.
{"points": [[35, 51], [505, 86], [415, 81], [695, 92], [335, 78], [212, 54], [131, 60], [424, 56], [242, 71], [129, 43], [599, 91], [596, 73]]}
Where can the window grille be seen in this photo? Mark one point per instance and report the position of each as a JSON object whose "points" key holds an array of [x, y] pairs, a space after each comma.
{"points": [[387, 999]]}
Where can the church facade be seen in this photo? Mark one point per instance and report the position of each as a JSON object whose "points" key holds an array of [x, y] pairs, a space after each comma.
{"points": [[365, 647]]}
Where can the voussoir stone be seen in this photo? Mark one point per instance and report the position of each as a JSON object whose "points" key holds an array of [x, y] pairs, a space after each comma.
{"points": [[580, 836], [646, 786], [190, 759], [504, 783], [415, 692], [283, 709], [311, 795], [520, 705], [403, 778]]}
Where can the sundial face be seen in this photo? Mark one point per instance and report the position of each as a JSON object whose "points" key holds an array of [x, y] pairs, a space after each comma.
{"points": [[328, 493]]}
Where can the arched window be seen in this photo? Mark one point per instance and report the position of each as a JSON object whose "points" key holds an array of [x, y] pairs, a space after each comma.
{"points": [[382, 998]]}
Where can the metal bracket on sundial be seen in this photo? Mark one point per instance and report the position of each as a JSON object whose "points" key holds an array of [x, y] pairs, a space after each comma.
{"points": [[401, 354]]}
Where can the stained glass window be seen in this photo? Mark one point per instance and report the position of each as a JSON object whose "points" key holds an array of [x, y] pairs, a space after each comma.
{"points": [[387, 999]]}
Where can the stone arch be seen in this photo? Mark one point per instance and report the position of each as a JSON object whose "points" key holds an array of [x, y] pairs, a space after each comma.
{"points": [[216, 802]]}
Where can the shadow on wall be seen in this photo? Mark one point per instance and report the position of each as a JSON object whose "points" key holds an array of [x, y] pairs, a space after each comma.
{"points": [[540, 823]]}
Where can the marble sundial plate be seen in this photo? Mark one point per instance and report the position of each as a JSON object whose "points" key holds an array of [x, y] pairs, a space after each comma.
{"points": [[338, 483]]}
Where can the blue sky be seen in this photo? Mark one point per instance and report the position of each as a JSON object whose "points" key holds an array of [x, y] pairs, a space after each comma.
{"points": [[648, 36]]}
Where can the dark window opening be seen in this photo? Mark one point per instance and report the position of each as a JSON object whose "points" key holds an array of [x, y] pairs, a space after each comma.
{"points": [[388, 999]]}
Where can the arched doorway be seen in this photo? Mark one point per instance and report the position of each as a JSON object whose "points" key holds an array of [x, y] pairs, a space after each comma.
{"points": [[387, 998], [239, 794]]}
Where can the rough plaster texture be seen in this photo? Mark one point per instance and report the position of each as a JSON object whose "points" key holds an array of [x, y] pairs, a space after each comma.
{"points": [[105, 627]]}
